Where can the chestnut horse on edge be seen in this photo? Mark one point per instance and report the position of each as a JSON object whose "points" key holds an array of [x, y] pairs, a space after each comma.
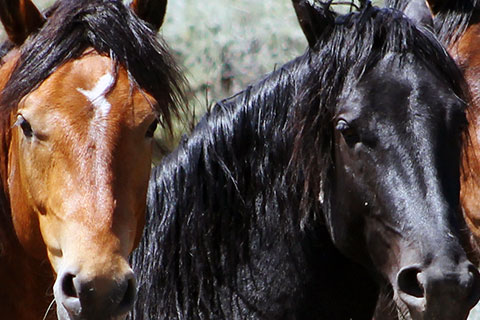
{"points": [[83, 87]]}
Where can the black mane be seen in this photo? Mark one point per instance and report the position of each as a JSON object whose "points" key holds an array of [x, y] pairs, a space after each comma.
{"points": [[210, 200], [224, 207], [453, 19], [111, 29]]}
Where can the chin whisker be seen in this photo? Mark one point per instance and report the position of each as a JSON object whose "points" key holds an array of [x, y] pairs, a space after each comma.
{"points": [[48, 309]]}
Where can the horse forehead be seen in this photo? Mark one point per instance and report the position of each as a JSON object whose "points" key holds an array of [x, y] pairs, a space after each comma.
{"points": [[60, 89], [97, 96], [80, 86], [394, 87], [85, 71], [91, 88]]}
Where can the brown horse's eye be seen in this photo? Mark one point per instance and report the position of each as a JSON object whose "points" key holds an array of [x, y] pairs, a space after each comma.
{"points": [[151, 129], [26, 127]]}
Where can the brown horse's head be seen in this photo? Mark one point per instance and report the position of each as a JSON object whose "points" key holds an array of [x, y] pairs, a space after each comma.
{"points": [[82, 101]]}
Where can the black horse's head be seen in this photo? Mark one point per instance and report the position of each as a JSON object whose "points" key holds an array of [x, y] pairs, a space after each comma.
{"points": [[380, 145]]}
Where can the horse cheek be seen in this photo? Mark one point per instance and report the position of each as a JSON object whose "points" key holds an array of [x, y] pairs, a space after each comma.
{"points": [[24, 218]]}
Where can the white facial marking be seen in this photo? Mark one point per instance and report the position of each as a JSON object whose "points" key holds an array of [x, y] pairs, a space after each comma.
{"points": [[96, 96], [98, 128]]}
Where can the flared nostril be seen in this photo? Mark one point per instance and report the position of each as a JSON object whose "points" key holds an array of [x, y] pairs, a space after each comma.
{"points": [[67, 295], [474, 275], [68, 286], [129, 297], [427, 291], [409, 283], [95, 298]]}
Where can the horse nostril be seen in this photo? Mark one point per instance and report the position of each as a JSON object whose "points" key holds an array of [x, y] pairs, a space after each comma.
{"points": [[94, 298], [473, 284], [474, 273], [129, 297], [409, 283], [68, 287]]}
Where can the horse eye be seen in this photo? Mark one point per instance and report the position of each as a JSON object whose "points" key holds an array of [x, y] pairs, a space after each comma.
{"points": [[151, 129], [348, 132], [342, 126], [26, 127]]}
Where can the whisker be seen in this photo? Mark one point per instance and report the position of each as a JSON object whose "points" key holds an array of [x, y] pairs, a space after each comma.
{"points": [[48, 309]]}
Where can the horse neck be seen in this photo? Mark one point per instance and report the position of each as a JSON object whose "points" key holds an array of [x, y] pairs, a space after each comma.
{"points": [[25, 281], [220, 195]]}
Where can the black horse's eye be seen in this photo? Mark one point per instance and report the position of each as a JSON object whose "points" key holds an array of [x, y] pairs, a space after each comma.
{"points": [[151, 129], [26, 127], [348, 132], [342, 126]]}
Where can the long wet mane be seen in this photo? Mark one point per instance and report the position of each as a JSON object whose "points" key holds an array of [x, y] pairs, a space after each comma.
{"points": [[111, 29], [234, 187]]}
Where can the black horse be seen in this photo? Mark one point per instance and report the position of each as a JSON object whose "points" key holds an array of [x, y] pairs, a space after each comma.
{"points": [[331, 180]]}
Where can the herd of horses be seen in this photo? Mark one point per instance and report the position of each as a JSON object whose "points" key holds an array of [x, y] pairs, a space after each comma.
{"points": [[343, 185]]}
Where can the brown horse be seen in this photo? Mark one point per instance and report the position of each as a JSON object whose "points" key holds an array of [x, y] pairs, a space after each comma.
{"points": [[83, 88], [457, 24]]}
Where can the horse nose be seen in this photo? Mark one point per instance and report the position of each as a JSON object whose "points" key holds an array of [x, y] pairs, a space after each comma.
{"points": [[426, 291], [85, 298]]}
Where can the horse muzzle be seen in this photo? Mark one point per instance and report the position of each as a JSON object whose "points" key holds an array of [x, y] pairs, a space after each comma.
{"points": [[79, 297], [441, 291]]}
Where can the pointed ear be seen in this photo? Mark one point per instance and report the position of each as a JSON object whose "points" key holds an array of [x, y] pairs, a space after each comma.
{"points": [[436, 5], [312, 19], [419, 12], [20, 18], [151, 11]]}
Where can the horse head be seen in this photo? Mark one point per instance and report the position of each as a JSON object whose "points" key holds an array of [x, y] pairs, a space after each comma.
{"points": [[80, 141], [390, 197]]}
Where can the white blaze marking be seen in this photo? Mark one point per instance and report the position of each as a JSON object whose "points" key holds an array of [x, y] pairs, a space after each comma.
{"points": [[98, 125], [96, 96]]}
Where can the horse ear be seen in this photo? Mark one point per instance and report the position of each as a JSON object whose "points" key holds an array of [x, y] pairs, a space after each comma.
{"points": [[419, 12], [20, 18], [312, 19], [151, 11]]}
